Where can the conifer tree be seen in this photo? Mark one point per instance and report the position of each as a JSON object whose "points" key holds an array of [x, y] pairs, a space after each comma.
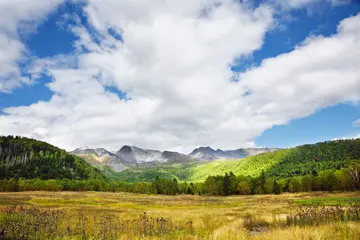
{"points": [[276, 188], [226, 184]]}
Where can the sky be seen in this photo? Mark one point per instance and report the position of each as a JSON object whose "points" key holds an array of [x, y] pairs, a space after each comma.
{"points": [[176, 75]]}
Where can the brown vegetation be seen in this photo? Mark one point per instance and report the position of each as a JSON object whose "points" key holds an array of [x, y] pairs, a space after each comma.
{"points": [[92, 215]]}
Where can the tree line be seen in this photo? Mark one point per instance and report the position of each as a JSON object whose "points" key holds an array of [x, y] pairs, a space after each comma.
{"points": [[158, 186], [345, 179]]}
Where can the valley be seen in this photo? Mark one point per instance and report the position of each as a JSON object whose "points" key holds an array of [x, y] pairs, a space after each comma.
{"points": [[306, 192], [179, 120]]}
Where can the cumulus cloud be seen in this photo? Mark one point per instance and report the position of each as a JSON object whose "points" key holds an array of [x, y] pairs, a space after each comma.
{"points": [[320, 72], [172, 60], [18, 17], [173, 63]]}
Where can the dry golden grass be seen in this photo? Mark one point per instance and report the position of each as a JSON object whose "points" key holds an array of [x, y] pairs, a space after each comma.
{"points": [[235, 217]]}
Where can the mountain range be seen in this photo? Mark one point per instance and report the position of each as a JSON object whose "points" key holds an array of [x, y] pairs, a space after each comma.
{"points": [[207, 153], [26, 158], [131, 156]]}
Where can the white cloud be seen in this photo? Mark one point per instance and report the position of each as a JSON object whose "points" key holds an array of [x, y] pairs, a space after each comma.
{"points": [[319, 73], [18, 16], [345, 138], [174, 67], [356, 123], [11, 51]]}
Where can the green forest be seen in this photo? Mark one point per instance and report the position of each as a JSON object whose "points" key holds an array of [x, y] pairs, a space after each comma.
{"points": [[27, 164], [22, 157], [345, 179]]}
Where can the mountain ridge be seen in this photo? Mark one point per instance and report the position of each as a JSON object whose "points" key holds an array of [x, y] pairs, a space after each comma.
{"points": [[286, 163], [208, 153], [131, 156], [100, 157], [29, 158]]}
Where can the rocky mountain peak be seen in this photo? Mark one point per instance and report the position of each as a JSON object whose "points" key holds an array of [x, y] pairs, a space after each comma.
{"points": [[125, 149], [131, 156]]}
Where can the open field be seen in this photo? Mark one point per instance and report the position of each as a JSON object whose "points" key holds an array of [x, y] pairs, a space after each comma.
{"points": [[97, 215]]}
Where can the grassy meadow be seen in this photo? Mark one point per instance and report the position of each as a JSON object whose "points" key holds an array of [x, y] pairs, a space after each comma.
{"points": [[99, 215]]}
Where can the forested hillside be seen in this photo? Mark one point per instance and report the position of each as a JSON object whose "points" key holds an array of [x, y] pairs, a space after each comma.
{"points": [[298, 161], [22, 157], [304, 159], [28, 164]]}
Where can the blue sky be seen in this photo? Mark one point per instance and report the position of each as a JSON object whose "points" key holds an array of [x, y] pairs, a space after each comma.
{"points": [[157, 77], [327, 124]]}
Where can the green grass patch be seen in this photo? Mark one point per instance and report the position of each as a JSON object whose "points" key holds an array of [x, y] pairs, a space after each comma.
{"points": [[61, 202], [5, 200], [329, 201]]}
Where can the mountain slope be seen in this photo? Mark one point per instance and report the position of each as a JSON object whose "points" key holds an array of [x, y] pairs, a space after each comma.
{"points": [[135, 155], [22, 157], [100, 157], [285, 163], [175, 157], [129, 157], [204, 153], [138, 156], [207, 153]]}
